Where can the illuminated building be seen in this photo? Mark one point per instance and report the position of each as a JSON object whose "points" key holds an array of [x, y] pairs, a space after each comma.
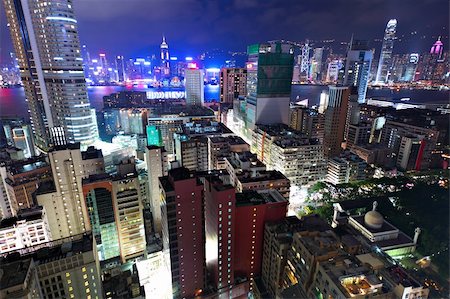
{"points": [[385, 62], [315, 68], [192, 152], [253, 210], [298, 157], [128, 208], [165, 59], [233, 83], [154, 276], [248, 173], [22, 180], [64, 196], [221, 147], [268, 95], [335, 119], [375, 230], [154, 136], [97, 190], [183, 231], [346, 169], [20, 135], [357, 67], [220, 232], [45, 38], [410, 70], [412, 145], [66, 268], [437, 48], [194, 86], [28, 229], [277, 243], [157, 166], [333, 70], [171, 121], [120, 67], [133, 121]]}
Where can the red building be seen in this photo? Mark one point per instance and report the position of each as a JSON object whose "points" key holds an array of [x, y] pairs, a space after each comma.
{"points": [[220, 227], [183, 231], [253, 210]]}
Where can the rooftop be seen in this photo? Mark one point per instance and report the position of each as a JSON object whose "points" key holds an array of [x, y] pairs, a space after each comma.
{"points": [[231, 139], [285, 137], [28, 165], [30, 214], [254, 198], [262, 175], [14, 273], [91, 153]]}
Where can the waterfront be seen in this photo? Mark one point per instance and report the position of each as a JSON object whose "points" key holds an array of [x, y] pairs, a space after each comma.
{"points": [[13, 103]]}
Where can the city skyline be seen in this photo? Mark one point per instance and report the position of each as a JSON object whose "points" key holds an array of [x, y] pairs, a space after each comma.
{"points": [[192, 27]]}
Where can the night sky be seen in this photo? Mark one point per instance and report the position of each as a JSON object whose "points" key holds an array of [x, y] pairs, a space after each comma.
{"points": [[134, 27]]}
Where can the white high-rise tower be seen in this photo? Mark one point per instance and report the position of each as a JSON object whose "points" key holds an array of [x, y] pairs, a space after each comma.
{"points": [[385, 62], [45, 38]]}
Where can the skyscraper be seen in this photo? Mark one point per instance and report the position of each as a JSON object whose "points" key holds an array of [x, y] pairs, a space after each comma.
{"points": [[120, 67], [411, 67], [183, 231], [45, 39], [157, 166], [194, 86], [357, 67], [385, 61], [232, 84], [269, 77], [165, 59], [335, 119]]}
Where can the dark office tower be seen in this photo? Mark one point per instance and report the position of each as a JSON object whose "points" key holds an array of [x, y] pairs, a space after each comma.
{"points": [[233, 83], [335, 119], [165, 59], [220, 230], [45, 39], [385, 61], [183, 231], [86, 60], [269, 77], [120, 67], [357, 67]]}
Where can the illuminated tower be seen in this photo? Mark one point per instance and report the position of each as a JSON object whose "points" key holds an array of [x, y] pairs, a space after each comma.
{"points": [[165, 66], [357, 67], [386, 52], [305, 58], [45, 39], [437, 48]]}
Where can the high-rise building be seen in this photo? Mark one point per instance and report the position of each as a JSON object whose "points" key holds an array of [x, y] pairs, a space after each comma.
{"points": [[29, 228], [120, 67], [97, 190], [64, 196], [298, 157], [335, 119], [22, 180], [333, 70], [45, 38], [194, 86], [157, 166], [165, 59], [410, 69], [20, 135], [253, 210], [192, 153], [315, 68], [269, 77], [220, 230], [20, 280], [221, 147], [385, 62], [233, 83], [346, 168], [183, 231], [437, 48], [357, 67]]}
